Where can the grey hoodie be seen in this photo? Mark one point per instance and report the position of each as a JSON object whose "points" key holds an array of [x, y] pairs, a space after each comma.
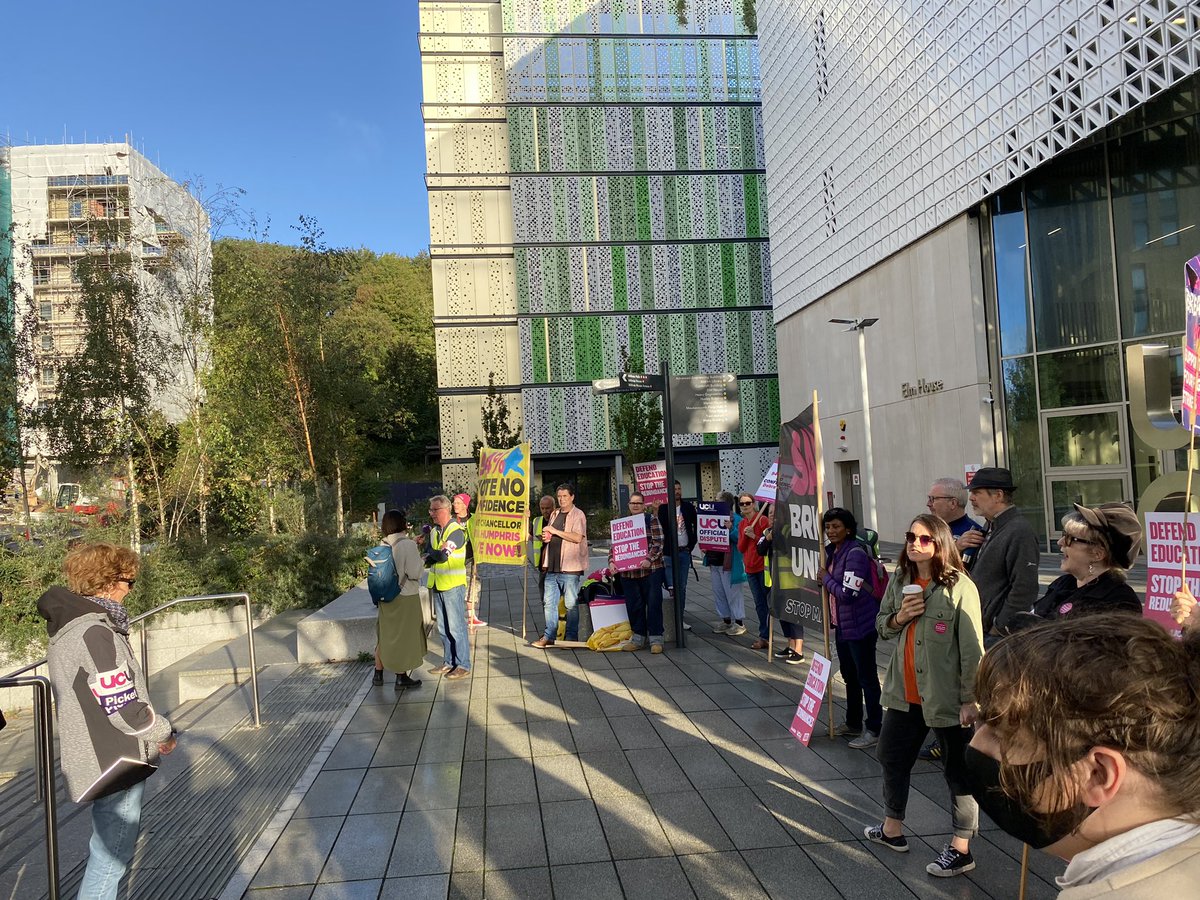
{"points": [[109, 732]]}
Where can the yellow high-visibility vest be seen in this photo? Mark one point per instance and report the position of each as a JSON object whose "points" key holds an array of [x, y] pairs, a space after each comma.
{"points": [[453, 572], [539, 525]]}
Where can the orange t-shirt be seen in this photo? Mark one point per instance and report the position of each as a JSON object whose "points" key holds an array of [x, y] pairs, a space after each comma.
{"points": [[911, 694]]}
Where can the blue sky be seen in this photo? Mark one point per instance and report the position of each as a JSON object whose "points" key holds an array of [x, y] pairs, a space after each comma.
{"points": [[312, 108]]}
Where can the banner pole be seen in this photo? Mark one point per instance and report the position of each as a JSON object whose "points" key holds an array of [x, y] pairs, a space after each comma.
{"points": [[821, 547], [1024, 871], [524, 599], [770, 639]]}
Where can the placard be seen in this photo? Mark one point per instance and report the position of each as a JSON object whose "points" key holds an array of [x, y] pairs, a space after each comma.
{"points": [[1191, 340], [630, 543], [969, 471], [501, 521], [766, 490], [712, 526], [805, 720], [651, 478], [1164, 552], [797, 533]]}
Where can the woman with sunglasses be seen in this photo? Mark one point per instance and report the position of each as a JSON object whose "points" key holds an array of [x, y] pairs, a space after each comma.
{"points": [[847, 577], [1098, 545], [749, 532], [1086, 750], [933, 608]]}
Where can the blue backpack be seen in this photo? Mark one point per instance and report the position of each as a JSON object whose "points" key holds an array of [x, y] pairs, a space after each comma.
{"points": [[383, 582]]}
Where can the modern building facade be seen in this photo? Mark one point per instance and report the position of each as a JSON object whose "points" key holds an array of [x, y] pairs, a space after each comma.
{"points": [[1013, 190], [69, 201], [596, 184]]}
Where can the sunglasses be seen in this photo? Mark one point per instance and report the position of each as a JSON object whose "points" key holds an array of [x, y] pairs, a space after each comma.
{"points": [[129, 581], [745, 503], [1069, 540], [924, 540]]}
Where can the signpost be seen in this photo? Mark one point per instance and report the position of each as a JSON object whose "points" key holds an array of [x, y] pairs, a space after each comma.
{"points": [[705, 404]]}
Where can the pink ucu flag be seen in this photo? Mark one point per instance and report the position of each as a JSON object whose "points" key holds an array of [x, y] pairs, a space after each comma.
{"points": [[113, 690]]}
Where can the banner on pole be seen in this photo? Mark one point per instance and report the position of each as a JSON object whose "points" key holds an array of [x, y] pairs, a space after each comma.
{"points": [[651, 478], [499, 527], [1191, 340], [766, 490], [712, 526], [796, 535], [805, 720], [630, 542], [1164, 556]]}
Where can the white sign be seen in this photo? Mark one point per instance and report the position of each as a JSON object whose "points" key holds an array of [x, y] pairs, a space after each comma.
{"points": [[805, 720], [766, 490], [969, 471]]}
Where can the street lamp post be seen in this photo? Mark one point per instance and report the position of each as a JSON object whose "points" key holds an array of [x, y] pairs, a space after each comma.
{"points": [[861, 326]]}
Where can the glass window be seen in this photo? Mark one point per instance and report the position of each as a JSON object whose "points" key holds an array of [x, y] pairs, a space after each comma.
{"points": [[1087, 439], [45, 310], [47, 341], [47, 375], [1024, 441], [1080, 377], [1012, 291], [1156, 202], [1070, 254], [1089, 492]]}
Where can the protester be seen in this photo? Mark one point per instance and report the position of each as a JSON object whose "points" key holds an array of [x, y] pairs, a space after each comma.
{"points": [[684, 529], [749, 532], [641, 586], [930, 683], [564, 560], [446, 557], [1183, 609], [111, 736], [1006, 564], [847, 577], [727, 573], [1088, 750], [460, 506], [1098, 545], [792, 652], [400, 625], [947, 498]]}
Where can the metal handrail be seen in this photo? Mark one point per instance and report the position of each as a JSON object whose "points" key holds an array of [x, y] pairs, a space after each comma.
{"points": [[43, 730], [145, 650]]}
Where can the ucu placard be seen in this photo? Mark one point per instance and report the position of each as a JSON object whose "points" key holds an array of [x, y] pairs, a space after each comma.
{"points": [[113, 690]]}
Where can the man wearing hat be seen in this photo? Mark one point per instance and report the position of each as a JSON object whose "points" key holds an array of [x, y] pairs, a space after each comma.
{"points": [[1006, 566], [1098, 545]]}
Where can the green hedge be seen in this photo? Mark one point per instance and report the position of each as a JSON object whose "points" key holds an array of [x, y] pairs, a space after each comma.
{"points": [[281, 572]]}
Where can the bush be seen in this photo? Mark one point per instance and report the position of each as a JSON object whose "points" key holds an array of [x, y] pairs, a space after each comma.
{"points": [[279, 573]]}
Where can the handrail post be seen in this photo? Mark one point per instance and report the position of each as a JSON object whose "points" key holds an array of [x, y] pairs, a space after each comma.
{"points": [[145, 652], [253, 663]]}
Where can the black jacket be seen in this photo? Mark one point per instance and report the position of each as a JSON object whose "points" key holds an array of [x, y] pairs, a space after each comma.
{"points": [[1106, 594], [666, 516]]}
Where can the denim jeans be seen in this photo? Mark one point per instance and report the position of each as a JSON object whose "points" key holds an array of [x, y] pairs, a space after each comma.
{"points": [[643, 600], [726, 595], [758, 590], [451, 605], [115, 821], [685, 568], [567, 587], [900, 741], [861, 674]]}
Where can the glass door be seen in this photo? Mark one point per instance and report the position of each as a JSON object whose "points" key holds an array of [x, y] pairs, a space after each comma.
{"points": [[1085, 459]]}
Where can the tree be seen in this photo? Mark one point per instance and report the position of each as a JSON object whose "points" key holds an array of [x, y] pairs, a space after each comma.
{"points": [[636, 422], [497, 431]]}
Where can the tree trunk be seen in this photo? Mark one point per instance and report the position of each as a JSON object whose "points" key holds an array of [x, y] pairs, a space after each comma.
{"points": [[270, 503], [340, 515]]}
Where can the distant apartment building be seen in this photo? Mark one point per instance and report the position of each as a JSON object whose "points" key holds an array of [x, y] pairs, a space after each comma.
{"points": [[596, 183], [66, 202]]}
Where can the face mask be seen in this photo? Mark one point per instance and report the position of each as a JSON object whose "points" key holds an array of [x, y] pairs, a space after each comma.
{"points": [[1038, 831]]}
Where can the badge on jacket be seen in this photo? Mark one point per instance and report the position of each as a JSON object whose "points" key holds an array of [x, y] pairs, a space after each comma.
{"points": [[113, 690], [852, 582]]}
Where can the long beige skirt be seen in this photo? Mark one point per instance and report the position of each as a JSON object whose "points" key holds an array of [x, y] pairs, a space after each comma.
{"points": [[401, 634]]}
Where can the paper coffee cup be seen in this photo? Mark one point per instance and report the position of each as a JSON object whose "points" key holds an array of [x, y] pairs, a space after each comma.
{"points": [[912, 590]]}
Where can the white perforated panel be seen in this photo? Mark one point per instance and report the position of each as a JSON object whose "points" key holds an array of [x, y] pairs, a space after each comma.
{"points": [[881, 127]]}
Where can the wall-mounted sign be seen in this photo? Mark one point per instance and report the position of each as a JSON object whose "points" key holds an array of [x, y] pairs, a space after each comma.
{"points": [[922, 387], [705, 404]]}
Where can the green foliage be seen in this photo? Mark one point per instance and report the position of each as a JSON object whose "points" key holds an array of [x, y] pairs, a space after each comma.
{"points": [[498, 433], [281, 572], [636, 421], [598, 521]]}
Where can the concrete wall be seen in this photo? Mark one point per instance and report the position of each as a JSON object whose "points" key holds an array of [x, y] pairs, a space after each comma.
{"points": [[929, 300]]}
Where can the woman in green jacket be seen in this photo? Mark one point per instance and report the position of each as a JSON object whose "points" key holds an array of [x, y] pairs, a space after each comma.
{"points": [[933, 608]]}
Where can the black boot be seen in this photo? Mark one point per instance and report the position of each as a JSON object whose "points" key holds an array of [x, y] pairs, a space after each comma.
{"points": [[403, 681], [377, 680]]}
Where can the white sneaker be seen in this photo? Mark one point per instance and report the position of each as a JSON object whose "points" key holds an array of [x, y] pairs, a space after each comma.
{"points": [[722, 627], [864, 741], [735, 629]]}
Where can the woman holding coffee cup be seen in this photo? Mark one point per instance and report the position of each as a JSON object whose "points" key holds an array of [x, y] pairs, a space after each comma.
{"points": [[933, 608]]}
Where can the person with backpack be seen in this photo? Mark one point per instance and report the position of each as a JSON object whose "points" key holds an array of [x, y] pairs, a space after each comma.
{"points": [[394, 581], [849, 577]]}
